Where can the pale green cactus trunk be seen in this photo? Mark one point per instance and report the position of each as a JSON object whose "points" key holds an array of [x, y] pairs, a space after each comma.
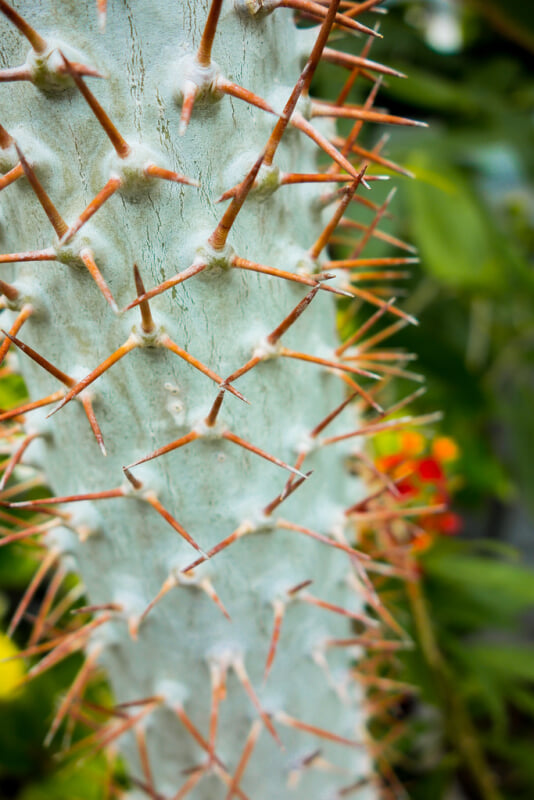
{"points": [[152, 396]]}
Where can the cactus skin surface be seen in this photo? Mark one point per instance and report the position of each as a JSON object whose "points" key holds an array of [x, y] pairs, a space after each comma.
{"points": [[204, 662]]}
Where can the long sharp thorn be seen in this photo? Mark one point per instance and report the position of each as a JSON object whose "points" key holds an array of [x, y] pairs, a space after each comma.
{"points": [[49, 254], [234, 90], [218, 238], [77, 687], [33, 530], [398, 513], [291, 526], [302, 124], [96, 203], [325, 235], [129, 345], [65, 379], [371, 298], [279, 611], [303, 83], [44, 401], [156, 505], [183, 440], [308, 598], [140, 736], [95, 427], [244, 263], [351, 61], [6, 140], [333, 414], [231, 437], [153, 171], [25, 312], [73, 498], [326, 363], [50, 558], [147, 321], [285, 719], [288, 490], [208, 35], [241, 672], [9, 291], [250, 744], [194, 269], [362, 330], [292, 317], [322, 109], [121, 146], [218, 694], [37, 42], [16, 458], [166, 342], [211, 419], [317, 10], [195, 733], [189, 784], [55, 218], [11, 176]]}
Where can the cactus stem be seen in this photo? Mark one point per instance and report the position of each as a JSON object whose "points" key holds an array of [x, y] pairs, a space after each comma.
{"points": [[285, 719], [121, 146], [37, 42], [11, 176], [56, 220], [250, 743]]}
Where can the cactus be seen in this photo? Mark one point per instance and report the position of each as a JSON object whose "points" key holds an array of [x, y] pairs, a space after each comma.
{"points": [[199, 478]]}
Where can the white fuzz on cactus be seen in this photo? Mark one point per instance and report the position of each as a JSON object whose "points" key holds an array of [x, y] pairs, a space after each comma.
{"points": [[221, 559]]}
